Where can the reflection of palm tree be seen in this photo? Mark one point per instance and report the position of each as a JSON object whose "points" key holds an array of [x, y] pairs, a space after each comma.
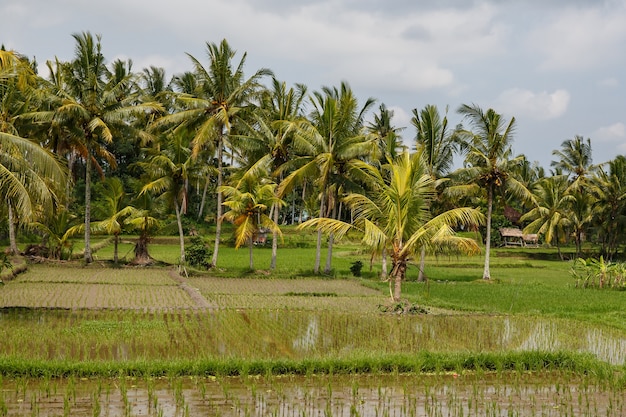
{"points": [[488, 161], [397, 216]]}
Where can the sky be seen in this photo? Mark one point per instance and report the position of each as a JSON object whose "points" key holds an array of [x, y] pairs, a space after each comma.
{"points": [[557, 66]]}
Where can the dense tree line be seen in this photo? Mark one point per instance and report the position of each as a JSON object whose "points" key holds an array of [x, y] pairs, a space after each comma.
{"points": [[98, 147]]}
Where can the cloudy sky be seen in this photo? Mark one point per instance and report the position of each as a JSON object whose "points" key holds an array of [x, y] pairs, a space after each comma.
{"points": [[557, 66]]}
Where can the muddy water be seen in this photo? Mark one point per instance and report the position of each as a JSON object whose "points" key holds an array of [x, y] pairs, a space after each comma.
{"points": [[364, 395]]}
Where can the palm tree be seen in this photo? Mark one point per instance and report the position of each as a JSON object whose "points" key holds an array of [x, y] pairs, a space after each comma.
{"points": [[488, 162], [575, 158], [387, 136], [438, 144], [339, 146], [270, 138], [221, 93], [169, 170], [114, 212], [91, 105], [248, 201], [397, 216], [28, 173], [550, 217], [609, 189]]}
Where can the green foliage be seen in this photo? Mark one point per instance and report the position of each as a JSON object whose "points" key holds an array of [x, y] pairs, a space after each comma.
{"points": [[598, 273], [356, 267], [198, 254]]}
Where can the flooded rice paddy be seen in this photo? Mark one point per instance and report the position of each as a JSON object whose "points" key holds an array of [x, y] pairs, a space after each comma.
{"points": [[515, 394]]}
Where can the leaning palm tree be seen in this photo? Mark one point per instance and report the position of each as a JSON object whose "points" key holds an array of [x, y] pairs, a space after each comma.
{"points": [[396, 215], [487, 146], [220, 94]]}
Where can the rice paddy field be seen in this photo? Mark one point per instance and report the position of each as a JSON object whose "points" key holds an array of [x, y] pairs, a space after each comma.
{"points": [[134, 341]]}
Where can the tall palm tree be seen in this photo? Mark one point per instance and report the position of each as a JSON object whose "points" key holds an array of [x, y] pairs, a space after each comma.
{"points": [[221, 93], [438, 145], [270, 137], [397, 215], [487, 146], [550, 217], [169, 170], [339, 147], [92, 105], [438, 141]]}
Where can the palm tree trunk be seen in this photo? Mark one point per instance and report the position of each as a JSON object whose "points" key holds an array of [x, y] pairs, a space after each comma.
{"points": [[116, 239], [421, 277], [87, 255], [203, 201], [181, 235], [218, 225], [318, 247], [250, 248], [398, 272], [331, 240], [274, 239], [13, 249], [486, 272], [383, 266]]}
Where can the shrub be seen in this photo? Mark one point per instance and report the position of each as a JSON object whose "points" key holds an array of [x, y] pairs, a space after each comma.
{"points": [[198, 254], [356, 268]]}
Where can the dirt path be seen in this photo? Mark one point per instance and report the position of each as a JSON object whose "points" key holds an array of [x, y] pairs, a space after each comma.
{"points": [[193, 293]]}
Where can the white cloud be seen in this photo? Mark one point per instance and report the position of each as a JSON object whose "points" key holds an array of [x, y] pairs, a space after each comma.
{"points": [[577, 39], [614, 132], [539, 106]]}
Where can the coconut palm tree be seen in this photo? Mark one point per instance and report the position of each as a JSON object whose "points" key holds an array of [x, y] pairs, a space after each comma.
{"points": [[550, 217], [575, 158], [339, 146], [28, 173], [487, 146], [396, 215], [609, 188], [169, 170], [438, 144], [269, 139], [222, 92], [387, 136], [248, 201], [92, 105]]}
